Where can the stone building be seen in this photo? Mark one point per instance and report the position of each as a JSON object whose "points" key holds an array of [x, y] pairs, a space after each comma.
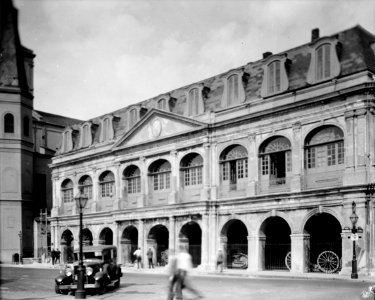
{"points": [[263, 161], [28, 140]]}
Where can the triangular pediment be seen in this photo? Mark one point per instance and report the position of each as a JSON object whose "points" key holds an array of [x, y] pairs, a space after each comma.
{"points": [[157, 125]]}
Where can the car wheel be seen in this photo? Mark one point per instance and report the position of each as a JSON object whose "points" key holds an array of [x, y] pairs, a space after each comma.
{"points": [[101, 289], [117, 284]]}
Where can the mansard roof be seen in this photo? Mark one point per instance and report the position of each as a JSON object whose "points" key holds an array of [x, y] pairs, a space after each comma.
{"points": [[57, 120], [356, 53]]}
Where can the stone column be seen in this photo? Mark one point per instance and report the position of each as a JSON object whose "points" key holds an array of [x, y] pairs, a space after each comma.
{"points": [[300, 255], [118, 193], [205, 242], [172, 235], [223, 246], [252, 166], [205, 194], [56, 201], [174, 173], [95, 191], [142, 200], [213, 237], [297, 158], [256, 246], [349, 144], [141, 238], [215, 172]]}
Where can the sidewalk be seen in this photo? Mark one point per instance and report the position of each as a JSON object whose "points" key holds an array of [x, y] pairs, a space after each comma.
{"points": [[226, 272]]}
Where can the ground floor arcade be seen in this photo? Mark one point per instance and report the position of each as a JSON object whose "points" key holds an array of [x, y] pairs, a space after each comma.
{"points": [[304, 240]]}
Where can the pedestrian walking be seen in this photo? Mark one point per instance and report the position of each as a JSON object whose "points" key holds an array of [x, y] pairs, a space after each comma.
{"points": [[150, 255], [180, 280], [220, 260], [138, 256]]}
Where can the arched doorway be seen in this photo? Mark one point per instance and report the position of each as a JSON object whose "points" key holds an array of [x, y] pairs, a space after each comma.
{"points": [[158, 240], [87, 237], [106, 237], [129, 243], [325, 239], [66, 246], [191, 236], [277, 243], [234, 244]]}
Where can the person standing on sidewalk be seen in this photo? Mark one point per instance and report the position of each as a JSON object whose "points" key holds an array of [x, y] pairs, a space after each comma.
{"points": [[53, 256], [138, 257], [220, 260], [150, 255], [57, 254]]}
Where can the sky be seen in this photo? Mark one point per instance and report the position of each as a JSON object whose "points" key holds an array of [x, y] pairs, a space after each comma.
{"points": [[96, 56]]}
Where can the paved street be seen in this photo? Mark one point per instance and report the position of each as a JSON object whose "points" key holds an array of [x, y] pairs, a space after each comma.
{"points": [[29, 283]]}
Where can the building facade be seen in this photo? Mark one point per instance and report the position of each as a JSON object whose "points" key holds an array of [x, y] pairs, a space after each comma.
{"points": [[28, 140], [263, 161]]}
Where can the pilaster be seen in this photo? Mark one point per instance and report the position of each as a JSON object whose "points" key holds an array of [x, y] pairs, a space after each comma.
{"points": [[252, 166], [173, 194], [300, 243], [295, 185]]}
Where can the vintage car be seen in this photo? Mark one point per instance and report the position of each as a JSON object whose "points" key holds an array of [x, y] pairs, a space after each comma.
{"points": [[101, 270]]}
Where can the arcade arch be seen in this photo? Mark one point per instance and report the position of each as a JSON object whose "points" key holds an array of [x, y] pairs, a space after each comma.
{"points": [[325, 236], [129, 243], [234, 244], [158, 240], [87, 237], [277, 244], [66, 246], [191, 236], [106, 237]]}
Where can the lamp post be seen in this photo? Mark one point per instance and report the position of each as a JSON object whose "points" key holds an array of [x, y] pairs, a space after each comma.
{"points": [[354, 219], [81, 200]]}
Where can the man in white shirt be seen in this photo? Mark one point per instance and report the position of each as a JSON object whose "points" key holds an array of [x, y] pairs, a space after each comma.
{"points": [[184, 264], [138, 257]]}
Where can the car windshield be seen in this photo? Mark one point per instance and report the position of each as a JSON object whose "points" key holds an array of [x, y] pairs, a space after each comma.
{"points": [[89, 255]]}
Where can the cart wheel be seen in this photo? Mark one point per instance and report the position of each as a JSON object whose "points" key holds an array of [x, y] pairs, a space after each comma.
{"points": [[288, 260], [328, 262]]}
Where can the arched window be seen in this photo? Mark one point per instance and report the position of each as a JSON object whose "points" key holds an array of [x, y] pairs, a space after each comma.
{"points": [[8, 123], [86, 184], [232, 89], [191, 168], [67, 191], [193, 102], [234, 165], [26, 126], [276, 160], [85, 135], [132, 175], [160, 171], [107, 184], [162, 104], [324, 147], [106, 124]]}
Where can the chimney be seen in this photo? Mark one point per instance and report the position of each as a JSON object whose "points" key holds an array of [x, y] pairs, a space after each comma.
{"points": [[266, 54], [314, 34]]}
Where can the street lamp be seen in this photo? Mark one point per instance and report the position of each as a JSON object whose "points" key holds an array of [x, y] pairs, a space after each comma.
{"points": [[81, 200], [354, 219]]}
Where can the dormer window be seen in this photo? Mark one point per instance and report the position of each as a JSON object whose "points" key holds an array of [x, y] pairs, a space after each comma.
{"points": [[107, 132], [132, 117], [324, 62], [234, 92], [86, 137], [195, 100], [67, 142], [162, 104], [275, 78]]}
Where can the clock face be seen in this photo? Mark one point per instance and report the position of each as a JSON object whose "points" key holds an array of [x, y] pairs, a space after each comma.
{"points": [[156, 128]]}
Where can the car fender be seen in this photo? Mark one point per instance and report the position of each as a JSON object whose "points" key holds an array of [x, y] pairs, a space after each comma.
{"points": [[63, 279], [99, 276]]}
